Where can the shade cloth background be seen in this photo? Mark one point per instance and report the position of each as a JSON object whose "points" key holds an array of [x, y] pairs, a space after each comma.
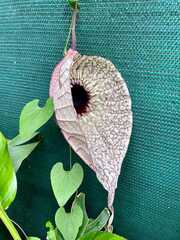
{"points": [[142, 38]]}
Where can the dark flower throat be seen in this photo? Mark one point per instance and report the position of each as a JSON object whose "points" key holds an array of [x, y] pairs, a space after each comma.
{"points": [[81, 98]]}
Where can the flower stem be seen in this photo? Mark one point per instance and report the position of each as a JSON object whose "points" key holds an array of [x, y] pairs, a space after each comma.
{"points": [[9, 225], [74, 18], [72, 28]]}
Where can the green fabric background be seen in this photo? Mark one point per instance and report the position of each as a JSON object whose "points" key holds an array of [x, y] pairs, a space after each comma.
{"points": [[142, 38]]}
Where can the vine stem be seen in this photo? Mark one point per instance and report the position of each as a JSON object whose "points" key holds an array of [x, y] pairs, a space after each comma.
{"points": [[9, 225], [74, 19], [72, 30]]}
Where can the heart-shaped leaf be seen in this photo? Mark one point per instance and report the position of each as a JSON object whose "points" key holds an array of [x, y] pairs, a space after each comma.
{"points": [[65, 183], [102, 236], [33, 117], [69, 223], [19, 153], [8, 182]]}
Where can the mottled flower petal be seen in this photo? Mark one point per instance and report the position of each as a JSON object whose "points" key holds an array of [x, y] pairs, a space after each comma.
{"points": [[98, 125]]}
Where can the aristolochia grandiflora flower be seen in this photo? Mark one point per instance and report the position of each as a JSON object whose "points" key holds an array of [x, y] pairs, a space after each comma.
{"points": [[93, 110]]}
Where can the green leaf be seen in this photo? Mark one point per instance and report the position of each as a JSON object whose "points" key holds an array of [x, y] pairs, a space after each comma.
{"points": [[18, 140], [69, 223], [65, 183], [73, 4], [19, 153], [80, 201], [8, 182], [99, 223], [102, 236], [33, 117], [53, 233]]}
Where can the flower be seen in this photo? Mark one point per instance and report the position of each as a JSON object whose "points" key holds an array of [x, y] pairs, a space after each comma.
{"points": [[93, 109]]}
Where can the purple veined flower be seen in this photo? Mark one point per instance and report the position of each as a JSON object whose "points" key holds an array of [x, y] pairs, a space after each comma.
{"points": [[93, 109]]}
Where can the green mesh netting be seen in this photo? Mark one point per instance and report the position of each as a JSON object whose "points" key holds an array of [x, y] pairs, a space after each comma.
{"points": [[142, 38]]}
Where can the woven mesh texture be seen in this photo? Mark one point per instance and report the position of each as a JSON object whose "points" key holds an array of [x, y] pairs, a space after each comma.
{"points": [[142, 38]]}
